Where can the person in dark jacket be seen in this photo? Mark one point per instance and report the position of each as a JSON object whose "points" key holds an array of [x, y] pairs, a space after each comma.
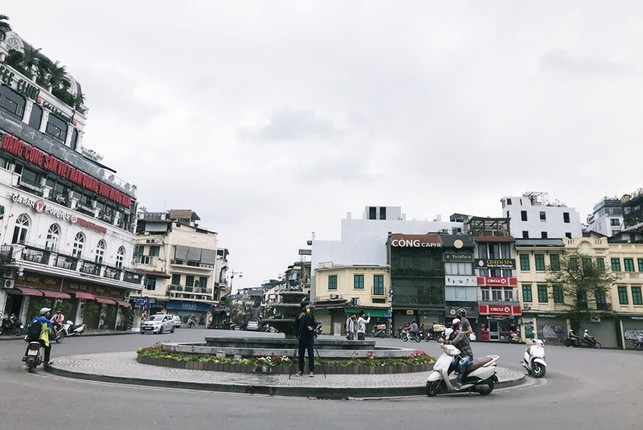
{"points": [[305, 325], [460, 341]]}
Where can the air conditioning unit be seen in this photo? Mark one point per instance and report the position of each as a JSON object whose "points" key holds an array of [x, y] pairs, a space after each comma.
{"points": [[7, 273], [355, 301], [527, 307], [8, 283], [334, 296], [595, 318]]}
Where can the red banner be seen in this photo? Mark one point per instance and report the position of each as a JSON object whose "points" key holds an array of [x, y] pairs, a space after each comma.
{"points": [[497, 281], [499, 309]]}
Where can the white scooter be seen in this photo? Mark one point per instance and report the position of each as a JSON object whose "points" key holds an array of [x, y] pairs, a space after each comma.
{"points": [[480, 376], [533, 360], [71, 329]]}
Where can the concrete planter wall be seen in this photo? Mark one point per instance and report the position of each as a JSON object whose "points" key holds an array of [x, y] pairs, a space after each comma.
{"points": [[283, 370]]}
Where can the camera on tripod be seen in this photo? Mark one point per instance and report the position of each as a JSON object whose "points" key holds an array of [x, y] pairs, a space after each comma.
{"points": [[317, 330]]}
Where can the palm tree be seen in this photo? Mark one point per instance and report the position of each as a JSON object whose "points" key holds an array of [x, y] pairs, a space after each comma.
{"points": [[57, 75], [4, 26], [30, 57]]}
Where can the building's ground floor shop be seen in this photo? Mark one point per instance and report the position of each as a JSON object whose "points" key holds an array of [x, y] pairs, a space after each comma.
{"points": [[333, 318], [98, 306]]}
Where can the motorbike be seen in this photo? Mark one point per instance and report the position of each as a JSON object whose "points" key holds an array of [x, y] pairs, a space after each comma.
{"points": [[191, 322], [533, 360], [434, 335], [379, 330], [589, 342], [479, 377], [34, 356], [638, 342], [406, 336], [11, 325], [71, 329]]}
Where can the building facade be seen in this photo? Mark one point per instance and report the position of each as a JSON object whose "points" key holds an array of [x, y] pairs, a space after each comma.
{"points": [[533, 215], [66, 221]]}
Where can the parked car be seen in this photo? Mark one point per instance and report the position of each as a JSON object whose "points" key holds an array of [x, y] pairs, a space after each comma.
{"points": [[177, 320], [252, 325], [158, 323]]}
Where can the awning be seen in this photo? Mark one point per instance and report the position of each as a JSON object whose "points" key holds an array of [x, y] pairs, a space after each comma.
{"points": [[375, 313], [55, 294], [105, 300], [123, 303], [87, 296], [29, 291]]}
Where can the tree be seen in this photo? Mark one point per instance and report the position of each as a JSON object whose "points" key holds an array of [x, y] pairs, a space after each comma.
{"points": [[4, 26], [581, 280]]}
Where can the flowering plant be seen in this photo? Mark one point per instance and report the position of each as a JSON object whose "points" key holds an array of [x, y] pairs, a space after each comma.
{"points": [[271, 361]]}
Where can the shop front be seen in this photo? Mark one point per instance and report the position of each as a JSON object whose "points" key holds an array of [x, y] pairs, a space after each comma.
{"points": [[499, 321]]}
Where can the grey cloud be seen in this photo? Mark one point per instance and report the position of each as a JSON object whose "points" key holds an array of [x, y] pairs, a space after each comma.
{"points": [[291, 125], [562, 60]]}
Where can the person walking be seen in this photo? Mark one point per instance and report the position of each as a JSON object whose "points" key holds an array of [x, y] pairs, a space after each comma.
{"points": [[350, 327], [305, 329], [361, 325]]}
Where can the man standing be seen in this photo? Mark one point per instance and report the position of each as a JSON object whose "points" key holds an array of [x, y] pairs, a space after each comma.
{"points": [[361, 325], [350, 327], [305, 330]]}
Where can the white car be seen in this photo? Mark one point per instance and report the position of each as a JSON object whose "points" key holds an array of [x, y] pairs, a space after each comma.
{"points": [[177, 320], [158, 323]]}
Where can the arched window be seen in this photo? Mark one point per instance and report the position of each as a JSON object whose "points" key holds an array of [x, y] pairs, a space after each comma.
{"points": [[79, 241], [120, 256], [52, 237], [21, 229], [74, 139], [36, 117], [100, 251], [12, 102]]}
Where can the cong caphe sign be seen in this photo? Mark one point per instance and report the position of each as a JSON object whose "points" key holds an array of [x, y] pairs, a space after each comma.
{"points": [[415, 241]]}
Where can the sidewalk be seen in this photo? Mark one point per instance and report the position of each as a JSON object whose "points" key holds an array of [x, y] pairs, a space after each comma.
{"points": [[122, 367]]}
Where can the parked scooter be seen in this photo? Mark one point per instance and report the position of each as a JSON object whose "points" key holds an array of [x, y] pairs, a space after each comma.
{"points": [[533, 360], [379, 330], [11, 325], [479, 377], [71, 329]]}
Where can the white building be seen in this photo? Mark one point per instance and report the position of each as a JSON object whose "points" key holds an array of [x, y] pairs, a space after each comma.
{"points": [[607, 217], [66, 221], [533, 216]]}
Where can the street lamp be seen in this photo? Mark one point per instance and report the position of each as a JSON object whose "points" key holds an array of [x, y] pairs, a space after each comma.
{"points": [[232, 275]]}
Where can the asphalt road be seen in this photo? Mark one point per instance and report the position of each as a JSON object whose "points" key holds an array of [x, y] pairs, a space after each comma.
{"points": [[583, 389]]}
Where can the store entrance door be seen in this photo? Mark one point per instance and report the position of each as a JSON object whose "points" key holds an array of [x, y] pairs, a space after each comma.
{"points": [[494, 329]]}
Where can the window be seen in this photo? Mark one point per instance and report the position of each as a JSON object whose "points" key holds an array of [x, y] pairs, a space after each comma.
{"points": [[543, 216], [36, 117], [554, 261], [378, 285], [616, 264], [542, 294], [358, 282], [559, 297], [120, 256], [543, 235], [524, 261], [100, 251], [600, 299], [21, 229], [486, 297], [525, 234], [568, 235], [56, 128], [586, 263], [566, 217], [523, 215], [640, 262], [628, 264], [636, 296], [508, 202], [154, 250], [12, 102], [509, 294], [372, 212], [52, 237], [189, 280], [614, 222], [332, 282], [526, 293], [203, 281], [600, 263], [176, 279], [540, 262], [622, 295], [382, 213], [79, 241], [74, 139]]}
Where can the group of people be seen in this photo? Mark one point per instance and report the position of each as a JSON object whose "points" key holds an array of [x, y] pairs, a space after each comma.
{"points": [[356, 326]]}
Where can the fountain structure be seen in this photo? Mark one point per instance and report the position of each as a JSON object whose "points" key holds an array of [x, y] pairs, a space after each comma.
{"points": [[281, 307]]}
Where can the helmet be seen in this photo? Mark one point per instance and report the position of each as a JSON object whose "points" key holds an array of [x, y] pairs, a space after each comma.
{"points": [[44, 311], [586, 331], [461, 312], [455, 322]]}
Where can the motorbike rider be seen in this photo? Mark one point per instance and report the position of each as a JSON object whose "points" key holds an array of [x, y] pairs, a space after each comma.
{"points": [[57, 321], [465, 325], [573, 337], [461, 341], [588, 337], [46, 327], [414, 329]]}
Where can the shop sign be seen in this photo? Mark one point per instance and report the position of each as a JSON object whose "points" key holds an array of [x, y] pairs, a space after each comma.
{"points": [[415, 241], [495, 263], [497, 281], [410, 312], [499, 309], [460, 280], [450, 257]]}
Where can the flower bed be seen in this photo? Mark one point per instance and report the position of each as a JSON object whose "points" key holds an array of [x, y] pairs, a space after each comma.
{"points": [[417, 361]]}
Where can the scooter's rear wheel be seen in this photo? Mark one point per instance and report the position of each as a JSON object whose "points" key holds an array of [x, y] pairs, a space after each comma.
{"points": [[485, 390], [538, 370], [31, 364], [433, 388]]}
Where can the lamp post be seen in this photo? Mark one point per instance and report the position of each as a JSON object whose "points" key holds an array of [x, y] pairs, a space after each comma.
{"points": [[232, 275]]}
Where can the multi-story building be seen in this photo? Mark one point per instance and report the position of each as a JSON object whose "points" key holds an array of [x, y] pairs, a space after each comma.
{"points": [[532, 215], [67, 220], [607, 217], [184, 269]]}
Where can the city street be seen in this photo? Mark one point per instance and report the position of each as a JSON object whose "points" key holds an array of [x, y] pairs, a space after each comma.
{"points": [[583, 388]]}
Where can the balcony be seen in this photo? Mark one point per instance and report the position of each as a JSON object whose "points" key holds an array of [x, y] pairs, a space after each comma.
{"points": [[190, 293], [190, 263]]}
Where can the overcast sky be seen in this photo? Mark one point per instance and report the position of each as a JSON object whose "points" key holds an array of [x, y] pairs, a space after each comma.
{"points": [[273, 119]]}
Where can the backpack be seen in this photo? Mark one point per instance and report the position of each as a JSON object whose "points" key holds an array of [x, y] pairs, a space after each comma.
{"points": [[34, 329]]}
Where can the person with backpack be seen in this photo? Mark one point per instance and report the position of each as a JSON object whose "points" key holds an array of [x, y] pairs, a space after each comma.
{"points": [[39, 329]]}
